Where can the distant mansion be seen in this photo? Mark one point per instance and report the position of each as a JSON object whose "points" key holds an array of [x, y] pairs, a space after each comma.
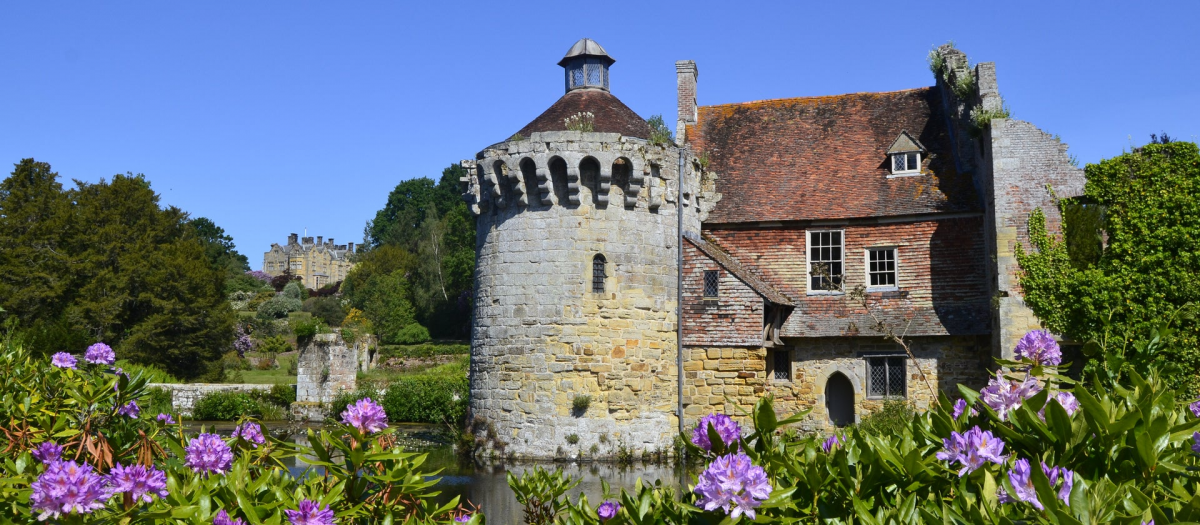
{"points": [[315, 263], [812, 226]]}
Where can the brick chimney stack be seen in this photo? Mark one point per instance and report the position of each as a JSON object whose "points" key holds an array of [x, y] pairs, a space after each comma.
{"points": [[687, 74]]}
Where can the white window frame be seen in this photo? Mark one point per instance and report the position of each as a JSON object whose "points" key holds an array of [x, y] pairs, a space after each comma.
{"points": [[909, 169], [867, 268], [808, 244]]}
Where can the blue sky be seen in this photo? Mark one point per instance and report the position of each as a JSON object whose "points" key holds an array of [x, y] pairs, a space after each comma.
{"points": [[272, 117]]}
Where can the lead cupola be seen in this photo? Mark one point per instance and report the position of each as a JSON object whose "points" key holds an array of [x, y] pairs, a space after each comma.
{"points": [[586, 65]]}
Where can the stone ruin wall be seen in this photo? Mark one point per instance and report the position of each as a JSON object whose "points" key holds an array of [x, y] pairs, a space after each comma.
{"points": [[326, 367], [541, 337], [185, 395]]}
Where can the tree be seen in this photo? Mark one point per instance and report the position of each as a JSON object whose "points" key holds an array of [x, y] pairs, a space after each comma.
{"points": [[219, 247], [103, 262], [1145, 204]]}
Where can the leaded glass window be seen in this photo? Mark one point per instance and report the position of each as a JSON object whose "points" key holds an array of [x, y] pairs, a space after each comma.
{"points": [[886, 376], [712, 283], [781, 365], [906, 162]]}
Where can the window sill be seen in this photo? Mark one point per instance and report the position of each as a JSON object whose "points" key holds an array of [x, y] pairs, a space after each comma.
{"points": [[886, 398], [904, 174], [875, 289], [824, 292]]}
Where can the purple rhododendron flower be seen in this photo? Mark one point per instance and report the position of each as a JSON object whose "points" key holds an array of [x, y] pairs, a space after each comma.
{"points": [[1003, 395], [140, 482], [1196, 442], [829, 443], [1151, 522], [63, 360], [1068, 480], [67, 487], [1022, 483], [208, 453], [100, 354], [251, 432], [1066, 400], [1040, 347], [165, 418], [365, 415], [309, 513], [130, 410], [727, 428], [1195, 407], [960, 406], [260, 275], [222, 518], [972, 449], [733, 484], [462, 518], [47, 452], [608, 510]]}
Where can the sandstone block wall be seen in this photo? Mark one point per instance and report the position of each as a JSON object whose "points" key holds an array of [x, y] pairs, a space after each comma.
{"points": [[541, 336], [724, 379], [185, 396], [326, 367], [1029, 169]]}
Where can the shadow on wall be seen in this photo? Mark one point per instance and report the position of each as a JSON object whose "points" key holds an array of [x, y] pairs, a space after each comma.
{"points": [[958, 276]]}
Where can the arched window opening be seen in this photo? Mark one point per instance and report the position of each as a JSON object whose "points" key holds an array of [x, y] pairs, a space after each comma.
{"points": [[501, 172], [839, 399], [621, 170], [558, 178], [533, 191], [598, 270], [589, 176]]}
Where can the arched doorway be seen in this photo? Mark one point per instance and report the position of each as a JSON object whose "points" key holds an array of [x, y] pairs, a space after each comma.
{"points": [[839, 399]]}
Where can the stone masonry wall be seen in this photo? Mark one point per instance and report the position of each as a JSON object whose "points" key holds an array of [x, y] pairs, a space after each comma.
{"points": [[726, 379], [326, 367], [1028, 170], [185, 396], [541, 336]]}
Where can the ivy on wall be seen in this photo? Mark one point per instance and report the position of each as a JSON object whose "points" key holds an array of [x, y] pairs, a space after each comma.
{"points": [[1128, 271]]}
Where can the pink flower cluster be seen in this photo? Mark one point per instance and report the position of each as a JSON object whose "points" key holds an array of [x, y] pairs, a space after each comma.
{"points": [[208, 453], [309, 513], [365, 415], [249, 432], [1004, 395], [1039, 347], [726, 427], [972, 449], [63, 360], [734, 484]]}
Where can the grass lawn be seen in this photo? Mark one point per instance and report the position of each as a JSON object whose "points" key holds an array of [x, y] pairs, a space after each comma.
{"points": [[273, 376]]}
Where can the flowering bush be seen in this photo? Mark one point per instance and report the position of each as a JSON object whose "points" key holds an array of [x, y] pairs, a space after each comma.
{"points": [[1032, 447], [74, 448]]}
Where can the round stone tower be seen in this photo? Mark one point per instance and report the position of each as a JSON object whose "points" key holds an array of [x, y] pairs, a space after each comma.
{"points": [[575, 283]]}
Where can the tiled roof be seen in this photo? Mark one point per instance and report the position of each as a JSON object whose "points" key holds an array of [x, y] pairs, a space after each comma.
{"points": [[610, 115], [826, 157], [734, 267]]}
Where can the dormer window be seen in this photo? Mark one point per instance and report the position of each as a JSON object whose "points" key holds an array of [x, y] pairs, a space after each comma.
{"points": [[905, 155], [909, 162]]}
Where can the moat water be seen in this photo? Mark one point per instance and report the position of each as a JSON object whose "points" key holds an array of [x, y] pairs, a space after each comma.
{"points": [[485, 485]]}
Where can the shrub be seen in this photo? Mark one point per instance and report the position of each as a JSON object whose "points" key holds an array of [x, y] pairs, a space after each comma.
{"points": [[158, 401], [426, 399], [890, 419], [328, 309], [226, 406], [260, 298], [423, 350], [293, 290], [306, 330], [581, 403], [151, 373], [282, 395], [659, 132], [411, 334], [278, 307], [243, 284], [275, 344]]}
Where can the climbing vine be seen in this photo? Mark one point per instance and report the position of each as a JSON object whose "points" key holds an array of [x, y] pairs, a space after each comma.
{"points": [[1143, 209]]}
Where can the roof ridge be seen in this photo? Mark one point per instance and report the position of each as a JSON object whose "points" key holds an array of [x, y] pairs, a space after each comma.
{"points": [[781, 99]]}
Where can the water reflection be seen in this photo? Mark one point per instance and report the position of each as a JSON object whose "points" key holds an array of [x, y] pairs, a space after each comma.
{"points": [[485, 485]]}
